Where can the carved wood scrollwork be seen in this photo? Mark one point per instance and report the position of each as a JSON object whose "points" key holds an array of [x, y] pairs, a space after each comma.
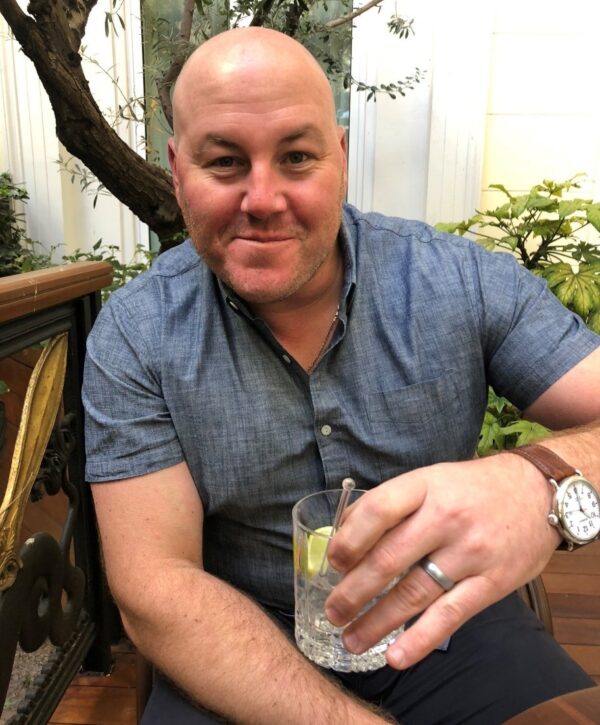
{"points": [[40, 408], [41, 591]]}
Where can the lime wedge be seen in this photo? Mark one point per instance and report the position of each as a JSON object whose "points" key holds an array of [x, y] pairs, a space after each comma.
{"points": [[315, 549]]}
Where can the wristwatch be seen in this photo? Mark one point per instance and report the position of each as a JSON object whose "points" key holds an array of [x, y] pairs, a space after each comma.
{"points": [[576, 503]]}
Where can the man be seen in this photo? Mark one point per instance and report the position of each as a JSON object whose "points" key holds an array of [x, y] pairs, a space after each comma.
{"points": [[293, 342]]}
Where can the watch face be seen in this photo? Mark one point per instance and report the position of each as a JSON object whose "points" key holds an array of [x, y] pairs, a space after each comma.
{"points": [[578, 505]]}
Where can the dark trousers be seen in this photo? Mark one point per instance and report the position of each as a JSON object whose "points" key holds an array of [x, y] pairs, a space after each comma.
{"points": [[498, 664]]}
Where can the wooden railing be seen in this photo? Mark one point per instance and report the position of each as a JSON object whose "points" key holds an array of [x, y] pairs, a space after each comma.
{"points": [[51, 584]]}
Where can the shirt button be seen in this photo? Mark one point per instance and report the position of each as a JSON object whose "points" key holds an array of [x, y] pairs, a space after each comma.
{"points": [[286, 359], [232, 304], [326, 430]]}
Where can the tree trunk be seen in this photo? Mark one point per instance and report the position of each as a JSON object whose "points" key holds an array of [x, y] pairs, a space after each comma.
{"points": [[51, 41]]}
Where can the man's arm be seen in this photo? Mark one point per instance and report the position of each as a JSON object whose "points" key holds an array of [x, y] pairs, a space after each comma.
{"points": [[483, 522], [211, 640]]}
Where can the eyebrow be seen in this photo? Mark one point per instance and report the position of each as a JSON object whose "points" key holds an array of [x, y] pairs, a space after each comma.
{"points": [[303, 132]]}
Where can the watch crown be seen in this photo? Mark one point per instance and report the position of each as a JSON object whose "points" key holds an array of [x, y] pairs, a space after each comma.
{"points": [[553, 518]]}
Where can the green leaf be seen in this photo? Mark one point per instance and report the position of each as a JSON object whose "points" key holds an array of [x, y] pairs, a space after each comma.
{"points": [[566, 208], [556, 274], [510, 241], [503, 189], [593, 216], [542, 202], [488, 244], [580, 291], [490, 436], [501, 212], [527, 431], [593, 321], [449, 227], [519, 205]]}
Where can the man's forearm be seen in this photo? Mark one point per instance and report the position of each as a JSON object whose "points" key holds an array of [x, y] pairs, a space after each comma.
{"points": [[228, 656], [581, 448]]}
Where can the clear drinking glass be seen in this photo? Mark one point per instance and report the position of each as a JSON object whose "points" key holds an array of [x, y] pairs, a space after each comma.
{"points": [[314, 579]]}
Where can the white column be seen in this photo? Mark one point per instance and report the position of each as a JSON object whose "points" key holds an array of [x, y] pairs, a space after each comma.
{"points": [[363, 117], [29, 147], [460, 74]]}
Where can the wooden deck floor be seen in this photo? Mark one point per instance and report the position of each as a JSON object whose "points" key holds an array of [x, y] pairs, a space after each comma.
{"points": [[572, 582]]}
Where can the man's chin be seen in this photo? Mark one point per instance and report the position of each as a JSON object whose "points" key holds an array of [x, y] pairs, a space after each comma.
{"points": [[263, 292]]}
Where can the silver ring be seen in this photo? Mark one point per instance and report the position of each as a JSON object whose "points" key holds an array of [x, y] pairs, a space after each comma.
{"points": [[436, 574]]}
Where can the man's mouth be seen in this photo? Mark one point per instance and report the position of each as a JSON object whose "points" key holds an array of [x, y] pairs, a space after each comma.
{"points": [[264, 238]]}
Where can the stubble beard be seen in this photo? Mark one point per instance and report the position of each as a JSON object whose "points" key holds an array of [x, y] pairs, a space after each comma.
{"points": [[327, 238]]}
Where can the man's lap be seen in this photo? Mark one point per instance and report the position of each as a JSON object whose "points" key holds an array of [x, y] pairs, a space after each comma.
{"points": [[498, 664]]}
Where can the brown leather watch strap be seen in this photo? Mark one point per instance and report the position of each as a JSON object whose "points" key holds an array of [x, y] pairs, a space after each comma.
{"points": [[548, 462]]}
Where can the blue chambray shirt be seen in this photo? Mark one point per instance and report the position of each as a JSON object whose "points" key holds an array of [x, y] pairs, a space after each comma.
{"points": [[178, 369]]}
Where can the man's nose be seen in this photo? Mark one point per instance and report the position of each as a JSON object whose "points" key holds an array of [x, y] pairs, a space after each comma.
{"points": [[264, 194]]}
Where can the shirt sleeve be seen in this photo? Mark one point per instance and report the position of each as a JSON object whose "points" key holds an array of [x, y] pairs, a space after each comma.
{"points": [[128, 427], [530, 339]]}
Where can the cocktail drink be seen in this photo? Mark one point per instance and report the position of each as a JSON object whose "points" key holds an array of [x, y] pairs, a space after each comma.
{"points": [[314, 578]]}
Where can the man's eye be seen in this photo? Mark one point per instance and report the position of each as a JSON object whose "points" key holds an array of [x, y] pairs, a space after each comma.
{"points": [[224, 162], [297, 157]]}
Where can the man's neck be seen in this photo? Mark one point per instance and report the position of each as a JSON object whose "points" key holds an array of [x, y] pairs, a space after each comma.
{"points": [[302, 324]]}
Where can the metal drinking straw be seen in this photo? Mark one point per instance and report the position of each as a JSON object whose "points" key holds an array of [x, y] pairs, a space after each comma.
{"points": [[348, 485]]}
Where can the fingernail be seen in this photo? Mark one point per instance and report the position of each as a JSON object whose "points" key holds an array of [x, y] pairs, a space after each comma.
{"points": [[395, 657], [352, 643], [333, 615]]}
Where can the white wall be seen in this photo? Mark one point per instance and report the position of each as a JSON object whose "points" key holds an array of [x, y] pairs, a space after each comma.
{"points": [[427, 145], [510, 97], [28, 144], [543, 111]]}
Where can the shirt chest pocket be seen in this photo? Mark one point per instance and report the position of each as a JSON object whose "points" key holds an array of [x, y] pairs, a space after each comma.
{"points": [[413, 405], [418, 425]]}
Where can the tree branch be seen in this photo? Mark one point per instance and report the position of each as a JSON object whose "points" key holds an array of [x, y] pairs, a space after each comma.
{"points": [[183, 43], [261, 13], [354, 14], [145, 188], [14, 16], [77, 13]]}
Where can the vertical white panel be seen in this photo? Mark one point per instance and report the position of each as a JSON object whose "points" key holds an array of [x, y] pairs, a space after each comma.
{"points": [[460, 72], [361, 141], [30, 147], [391, 141]]}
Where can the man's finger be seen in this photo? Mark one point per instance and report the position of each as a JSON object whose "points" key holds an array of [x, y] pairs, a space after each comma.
{"points": [[367, 520], [409, 597], [391, 557], [441, 620]]}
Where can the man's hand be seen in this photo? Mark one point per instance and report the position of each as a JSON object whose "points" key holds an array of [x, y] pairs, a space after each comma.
{"points": [[483, 522]]}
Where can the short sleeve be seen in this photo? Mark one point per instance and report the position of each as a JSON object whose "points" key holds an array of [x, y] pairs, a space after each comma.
{"points": [[531, 340], [128, 427]]}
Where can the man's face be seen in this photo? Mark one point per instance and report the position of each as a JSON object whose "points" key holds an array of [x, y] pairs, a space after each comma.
{"points": [[260, 173]]}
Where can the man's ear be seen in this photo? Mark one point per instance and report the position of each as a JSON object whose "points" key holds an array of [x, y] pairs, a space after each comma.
{"points": [[341, 131], [342, 141], [172, 154]]}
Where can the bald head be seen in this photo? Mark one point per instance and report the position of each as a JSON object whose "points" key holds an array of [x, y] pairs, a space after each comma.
{"points": [[247, 62]]}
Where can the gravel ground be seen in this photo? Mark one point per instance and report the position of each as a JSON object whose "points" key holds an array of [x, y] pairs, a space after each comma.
{"points": [[25, 668]]}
